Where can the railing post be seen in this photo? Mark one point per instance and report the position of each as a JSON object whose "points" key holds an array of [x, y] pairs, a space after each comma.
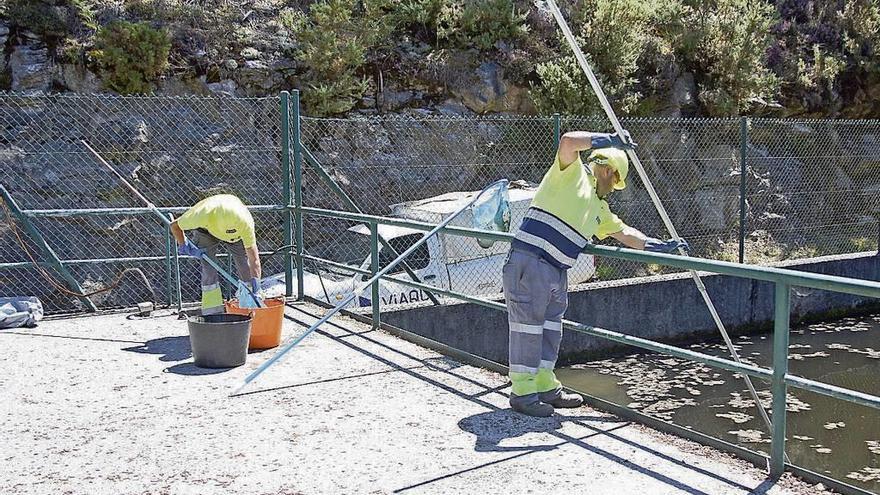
{"points": [[557, 129], [176, 258], [297, 196], [780, 369], [168, 275], [743, 170], [374, 269], [285, 181]]}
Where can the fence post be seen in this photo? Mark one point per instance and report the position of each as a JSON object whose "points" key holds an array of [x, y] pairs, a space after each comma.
{"points": [[297, 196], [285, 180], [168, 265], [780, 369], [176, 258], [46, 250], [743, 169], [374, 269], [557, 128]]}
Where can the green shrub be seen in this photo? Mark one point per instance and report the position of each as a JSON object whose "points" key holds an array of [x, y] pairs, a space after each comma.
{"points": [[821, 71], [733, 37], [38, 16], [480, 23], [614, 35], [421, 15], [131, 56], [860, 21], [334, 43]]}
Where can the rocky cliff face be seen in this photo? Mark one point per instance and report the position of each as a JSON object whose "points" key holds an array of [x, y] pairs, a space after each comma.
{"points": [[457, 82]]}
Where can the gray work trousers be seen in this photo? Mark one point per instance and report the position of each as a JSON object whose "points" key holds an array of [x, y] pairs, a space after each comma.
{"points": [[212, 295], [537, 296]]}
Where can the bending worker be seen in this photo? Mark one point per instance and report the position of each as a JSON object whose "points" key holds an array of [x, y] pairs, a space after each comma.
{"points": [[221, 219], [568, 209]]}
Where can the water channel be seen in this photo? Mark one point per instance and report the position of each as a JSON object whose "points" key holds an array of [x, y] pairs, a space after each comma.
{"points": [[826, 435]]}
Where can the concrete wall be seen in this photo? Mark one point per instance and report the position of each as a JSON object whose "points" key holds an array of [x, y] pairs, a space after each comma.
{"points": [[667, 308]]}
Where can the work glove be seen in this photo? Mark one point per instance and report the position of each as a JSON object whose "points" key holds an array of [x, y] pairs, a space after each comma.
{"points": [[255, 285], [669, 246], [622, 141], [190, 249]]}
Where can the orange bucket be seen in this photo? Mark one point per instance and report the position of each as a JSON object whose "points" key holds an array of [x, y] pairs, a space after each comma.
{"points": [[266, 325]]}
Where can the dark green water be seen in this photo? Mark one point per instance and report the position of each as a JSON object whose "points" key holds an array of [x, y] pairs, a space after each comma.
{"points": [[826, 435]]}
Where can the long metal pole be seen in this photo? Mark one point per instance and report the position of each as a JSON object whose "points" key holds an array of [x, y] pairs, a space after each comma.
{"points": [[609, 112], [374, 268], [743, 168], [557, 129], [168, 274], [297, 198], [166, 221], [285, 186], [357, 291]]}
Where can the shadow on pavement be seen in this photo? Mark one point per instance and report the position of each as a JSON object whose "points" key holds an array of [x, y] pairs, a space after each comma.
{"points": [[191, 369], [492, 427], [171, 348]]}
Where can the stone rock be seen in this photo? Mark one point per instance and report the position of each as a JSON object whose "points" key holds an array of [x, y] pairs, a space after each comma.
{"points": [[256, 78], [684, 92], [78, 79], [716, 207], [250, 53], [4, 34], [452, 108], [488, 91], [31, 68], [173, 86], [392, 99], [230, 64], [225, 87]]}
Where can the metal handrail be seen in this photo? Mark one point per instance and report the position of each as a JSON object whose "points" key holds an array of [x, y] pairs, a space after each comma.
{"points": [[767, 273]]}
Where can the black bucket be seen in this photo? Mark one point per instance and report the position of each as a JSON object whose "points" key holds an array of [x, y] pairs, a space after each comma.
{"points": [[220, 340]]}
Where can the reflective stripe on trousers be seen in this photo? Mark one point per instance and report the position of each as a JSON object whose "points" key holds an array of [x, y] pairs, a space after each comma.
{"points": [[212, 295], [537, 296]]}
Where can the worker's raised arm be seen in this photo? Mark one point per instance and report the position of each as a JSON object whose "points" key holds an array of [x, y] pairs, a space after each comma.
{"points": [[571, 143]]}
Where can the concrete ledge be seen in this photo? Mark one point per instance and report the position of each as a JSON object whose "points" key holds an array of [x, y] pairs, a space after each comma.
{"points": [[668, 308]]}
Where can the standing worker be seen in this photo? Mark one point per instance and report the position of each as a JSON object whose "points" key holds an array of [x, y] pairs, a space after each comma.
{"points": [[569, 208], [221, 219]]}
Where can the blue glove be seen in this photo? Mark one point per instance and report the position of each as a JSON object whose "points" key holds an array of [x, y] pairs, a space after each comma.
{"points": [[670, 246], [623, 141], [255, 285], [190, 249]]}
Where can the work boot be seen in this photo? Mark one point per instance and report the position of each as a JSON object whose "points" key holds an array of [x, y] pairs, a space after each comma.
{"points": [[561, 400], [537, 409]]}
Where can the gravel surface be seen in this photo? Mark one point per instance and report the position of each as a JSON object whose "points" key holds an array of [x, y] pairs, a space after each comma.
{"points": [[110, 404]]}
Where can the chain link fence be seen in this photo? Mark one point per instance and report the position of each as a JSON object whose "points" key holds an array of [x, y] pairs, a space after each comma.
{"points": [[174, 150], [811, 187]]}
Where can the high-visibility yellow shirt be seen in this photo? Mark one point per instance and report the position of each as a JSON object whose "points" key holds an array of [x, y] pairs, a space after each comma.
{"points": [[565, 214], [224, 216]]}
